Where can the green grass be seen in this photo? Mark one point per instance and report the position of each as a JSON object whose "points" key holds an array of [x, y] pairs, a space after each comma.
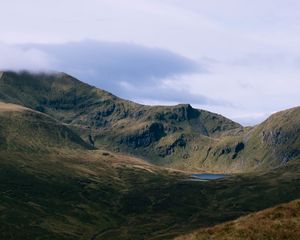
{"points": [[31, 131]]}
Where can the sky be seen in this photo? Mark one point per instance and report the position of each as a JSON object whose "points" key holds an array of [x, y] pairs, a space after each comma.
{"points": [[239, 58]]}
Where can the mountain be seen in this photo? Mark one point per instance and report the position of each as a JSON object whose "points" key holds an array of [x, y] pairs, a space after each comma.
{"points": [[172, 136], [272, 143], [280, 222], [277, 139]]}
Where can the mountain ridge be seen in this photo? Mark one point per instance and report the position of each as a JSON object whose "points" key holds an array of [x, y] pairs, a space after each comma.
{"points": [[177, 136], [102, 119]]}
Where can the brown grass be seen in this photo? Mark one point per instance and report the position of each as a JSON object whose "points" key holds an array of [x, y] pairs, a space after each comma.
{"points": [[9, 107], [281, 222]]}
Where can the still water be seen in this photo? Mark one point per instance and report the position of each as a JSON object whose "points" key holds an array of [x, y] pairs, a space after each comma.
{"points": [[208, 176]]}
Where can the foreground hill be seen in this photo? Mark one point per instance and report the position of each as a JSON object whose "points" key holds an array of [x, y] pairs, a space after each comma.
{"points": [[281, 222], [96, 195], [26, 130]]}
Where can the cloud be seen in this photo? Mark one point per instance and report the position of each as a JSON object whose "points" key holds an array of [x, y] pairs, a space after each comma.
{"points": [[116, 61], [162, 94], [13, 57], [129, 70]]}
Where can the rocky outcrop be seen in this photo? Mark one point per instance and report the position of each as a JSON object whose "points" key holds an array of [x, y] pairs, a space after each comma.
{"points": [[164, 151], [144, 137]]}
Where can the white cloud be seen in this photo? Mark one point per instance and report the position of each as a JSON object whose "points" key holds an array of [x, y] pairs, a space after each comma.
{"points": [[13, 57]]}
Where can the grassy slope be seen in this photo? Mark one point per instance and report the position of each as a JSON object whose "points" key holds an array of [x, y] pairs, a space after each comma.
{"points": [[278, 138], [281, 222], [22, 129], [76, 195], [64, 195]]}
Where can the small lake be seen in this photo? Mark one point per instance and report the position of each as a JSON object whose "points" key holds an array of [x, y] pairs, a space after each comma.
{"points": [[208, 176]]}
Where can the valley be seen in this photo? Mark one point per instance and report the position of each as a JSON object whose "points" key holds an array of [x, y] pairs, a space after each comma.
{"points": [[77, 162]]}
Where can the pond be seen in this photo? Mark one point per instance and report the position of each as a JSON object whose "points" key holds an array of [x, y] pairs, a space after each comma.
{"points": [[208, 176]]}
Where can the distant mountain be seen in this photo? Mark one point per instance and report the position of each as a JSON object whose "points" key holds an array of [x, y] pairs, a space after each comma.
{"points": [[175, 136], [272, 143]]}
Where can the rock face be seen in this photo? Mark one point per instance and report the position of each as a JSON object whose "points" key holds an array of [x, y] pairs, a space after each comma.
{"points": [[168, 150], [144, 137], [281, 134], [238, 148]]}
